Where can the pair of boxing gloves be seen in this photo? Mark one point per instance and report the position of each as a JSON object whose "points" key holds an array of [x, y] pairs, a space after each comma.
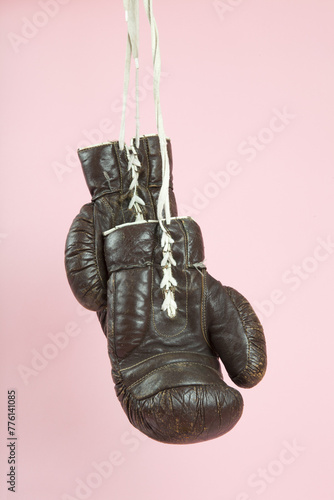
{"points": [[166, 368]]}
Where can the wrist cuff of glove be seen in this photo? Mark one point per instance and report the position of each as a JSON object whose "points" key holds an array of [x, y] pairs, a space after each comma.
{"points": [[106, 166]]}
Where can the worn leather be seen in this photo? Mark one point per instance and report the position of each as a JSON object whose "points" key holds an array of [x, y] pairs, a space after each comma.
{"points": [[167, 372], [84, 253]]}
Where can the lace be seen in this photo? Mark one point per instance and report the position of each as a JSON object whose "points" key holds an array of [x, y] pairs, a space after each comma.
{"points": [[133, 166], [132, 49], [163, 200], [168, 283]]}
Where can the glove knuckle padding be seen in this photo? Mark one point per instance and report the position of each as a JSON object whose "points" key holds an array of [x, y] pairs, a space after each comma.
{"points": [[85, 267], [166, 374], [237, 335]]}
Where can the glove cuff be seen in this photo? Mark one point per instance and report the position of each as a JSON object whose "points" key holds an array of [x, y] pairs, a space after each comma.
{"points": [[105, 166]]}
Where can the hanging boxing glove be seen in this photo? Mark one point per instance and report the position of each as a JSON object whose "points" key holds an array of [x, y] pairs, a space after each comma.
{"points": [[167, 322], [166, 369], [124, 185]]}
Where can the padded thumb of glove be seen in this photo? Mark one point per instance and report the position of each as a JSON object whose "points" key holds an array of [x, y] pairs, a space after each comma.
{"points": [[236, 334]]}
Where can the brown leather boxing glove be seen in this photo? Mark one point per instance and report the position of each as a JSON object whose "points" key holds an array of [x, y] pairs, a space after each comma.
{"points": [[166, 370]]}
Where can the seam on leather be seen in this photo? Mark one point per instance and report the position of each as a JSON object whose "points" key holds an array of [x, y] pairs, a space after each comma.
{"points": [[189, 386], [148, 175], [106, 192], [149, 169], [133, 266], [109, 208], [95, 250], [186, 241], [245, 332], [120, 178], [113, 339], [183, 363], [112, 311], [164, 354], [203, 309]]}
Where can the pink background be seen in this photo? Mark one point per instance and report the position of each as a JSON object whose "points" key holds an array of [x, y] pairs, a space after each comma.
{"points": [[229, 68]]}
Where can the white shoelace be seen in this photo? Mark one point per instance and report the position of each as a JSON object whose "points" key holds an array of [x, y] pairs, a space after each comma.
{"points": [[132, 49], [134, 165], [163, 200], [168, 283]]}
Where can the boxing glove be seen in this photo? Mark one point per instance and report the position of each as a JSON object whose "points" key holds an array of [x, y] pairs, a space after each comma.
{"points": [[124, 185], [166, 369]]}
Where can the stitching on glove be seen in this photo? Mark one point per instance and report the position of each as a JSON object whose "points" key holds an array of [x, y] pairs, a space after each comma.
{"points": [[196, 388], [147, 156], [95, 252], [101, 144], [203, 309], [164, 354], [134, 266], [108, 181], [148, 174], [183, 363], [186, 241], [111, 322], [245, 332], [105, 192], [112, 339], [120, 176], [109, 208]]}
